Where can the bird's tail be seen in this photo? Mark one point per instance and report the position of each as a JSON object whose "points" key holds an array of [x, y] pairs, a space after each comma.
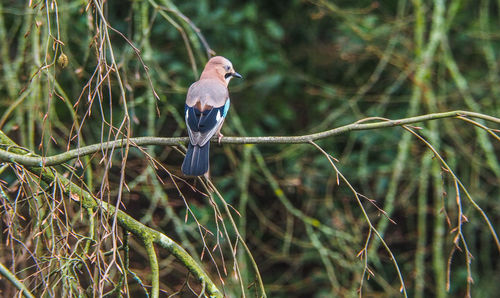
{"points": [[196, 160]]}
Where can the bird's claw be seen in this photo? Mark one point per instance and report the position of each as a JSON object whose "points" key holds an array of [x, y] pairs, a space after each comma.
{"points": [[220, 137]]}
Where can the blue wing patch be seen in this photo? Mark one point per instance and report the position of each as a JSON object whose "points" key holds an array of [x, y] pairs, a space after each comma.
{"points": [[226, 108]]}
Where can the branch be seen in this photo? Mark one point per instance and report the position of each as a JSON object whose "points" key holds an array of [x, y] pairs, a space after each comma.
{"points": [[146, 234], [13, 279], [57, 159], [155, 271]]}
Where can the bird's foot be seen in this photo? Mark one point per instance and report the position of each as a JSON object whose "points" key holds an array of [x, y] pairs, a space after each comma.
{"points": [[220, 137]]}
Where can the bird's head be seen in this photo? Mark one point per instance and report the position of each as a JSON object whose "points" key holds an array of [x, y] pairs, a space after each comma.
{"points": [[220, 67]]}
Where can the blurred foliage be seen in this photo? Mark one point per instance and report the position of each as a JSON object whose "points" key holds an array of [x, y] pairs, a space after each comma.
{"points": [[308, 66]]}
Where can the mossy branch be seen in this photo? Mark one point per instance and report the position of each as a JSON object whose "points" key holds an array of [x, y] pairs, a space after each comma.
{"points": [[155, 271], [16, 282], [146, 234], [27, 160]]}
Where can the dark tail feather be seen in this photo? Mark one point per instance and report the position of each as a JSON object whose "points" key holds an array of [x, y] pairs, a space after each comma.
{"points": [[196, 160]]}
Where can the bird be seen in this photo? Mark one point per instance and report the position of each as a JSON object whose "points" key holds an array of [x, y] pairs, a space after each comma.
{"points": [[207, 104]]}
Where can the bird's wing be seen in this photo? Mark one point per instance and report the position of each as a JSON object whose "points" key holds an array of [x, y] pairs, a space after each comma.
{"points": [[207, 103], [203, 125]]}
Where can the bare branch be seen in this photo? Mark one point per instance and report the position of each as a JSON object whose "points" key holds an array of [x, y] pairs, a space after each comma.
{"points": [[57, 159]]}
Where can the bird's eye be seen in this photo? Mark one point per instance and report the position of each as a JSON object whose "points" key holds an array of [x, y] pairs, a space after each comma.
{"points": [[227, 67]]}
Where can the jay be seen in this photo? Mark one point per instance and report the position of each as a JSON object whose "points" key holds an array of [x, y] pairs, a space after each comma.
{"points": [[207, 103]]}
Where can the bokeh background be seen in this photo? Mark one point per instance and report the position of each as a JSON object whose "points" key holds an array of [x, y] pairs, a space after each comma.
{"points": [[308, 66]]}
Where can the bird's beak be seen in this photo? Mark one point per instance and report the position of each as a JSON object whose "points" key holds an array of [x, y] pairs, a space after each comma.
{"points": [[236, 75]]}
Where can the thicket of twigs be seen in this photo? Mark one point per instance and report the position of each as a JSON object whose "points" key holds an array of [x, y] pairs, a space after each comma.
{"points": [[92, 200]]}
